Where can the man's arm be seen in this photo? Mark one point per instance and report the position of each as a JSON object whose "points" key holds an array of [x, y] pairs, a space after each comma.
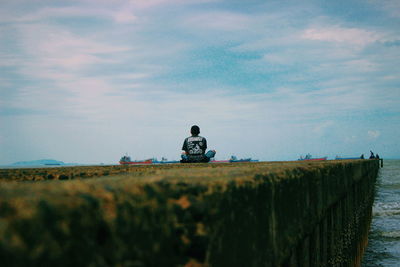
{"points": [[184, 147]]}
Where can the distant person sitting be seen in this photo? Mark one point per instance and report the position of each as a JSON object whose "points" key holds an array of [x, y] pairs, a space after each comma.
{"points": [[194, 148], [372, 155]]}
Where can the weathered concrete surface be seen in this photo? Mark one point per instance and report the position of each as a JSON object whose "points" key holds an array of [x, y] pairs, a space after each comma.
{"points": [[76, 172], [248, 214]]}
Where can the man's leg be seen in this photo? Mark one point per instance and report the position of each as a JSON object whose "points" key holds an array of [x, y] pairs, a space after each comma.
{"points": [[185, 158], [210, 154]]}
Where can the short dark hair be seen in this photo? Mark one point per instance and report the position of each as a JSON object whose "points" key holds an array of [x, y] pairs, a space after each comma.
{"points": [[195, 130]]}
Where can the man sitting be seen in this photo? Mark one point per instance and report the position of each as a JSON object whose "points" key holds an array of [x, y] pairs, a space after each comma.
{"points": [[194, 148]]}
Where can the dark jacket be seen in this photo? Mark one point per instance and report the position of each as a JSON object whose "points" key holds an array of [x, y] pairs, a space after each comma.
{"points": [[195, 148]]}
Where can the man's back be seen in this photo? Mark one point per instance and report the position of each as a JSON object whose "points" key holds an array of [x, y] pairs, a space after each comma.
{"points": [[195, 145]]}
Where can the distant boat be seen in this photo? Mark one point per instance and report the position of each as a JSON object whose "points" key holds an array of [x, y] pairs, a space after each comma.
{"points": [[243, 160], [309, 157], [125, 160], [164, 161], [235, 159]]}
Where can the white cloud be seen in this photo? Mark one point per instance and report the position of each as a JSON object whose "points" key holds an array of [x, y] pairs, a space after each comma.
{"points": [[125, 16], [53, 52], [337, 34], [373, 134], [35, 14], [43, 39], [223, 20], [278, 59], [118, 11], [351, 139], [323, 127], [392, 7], [155, 3], [360, 65]]}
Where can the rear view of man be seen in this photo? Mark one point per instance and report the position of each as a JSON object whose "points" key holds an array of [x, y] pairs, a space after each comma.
{"points": [[194, 148]]}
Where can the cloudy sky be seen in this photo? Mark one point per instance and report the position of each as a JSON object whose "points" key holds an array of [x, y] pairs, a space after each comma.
{"points": [[88, 81]]}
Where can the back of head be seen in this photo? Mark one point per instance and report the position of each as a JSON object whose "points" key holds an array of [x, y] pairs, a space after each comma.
{"points": [[195, 130]]}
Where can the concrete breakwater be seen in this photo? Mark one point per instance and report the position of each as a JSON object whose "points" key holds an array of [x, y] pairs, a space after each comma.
{"points": [[77, 172], [247, 214]]}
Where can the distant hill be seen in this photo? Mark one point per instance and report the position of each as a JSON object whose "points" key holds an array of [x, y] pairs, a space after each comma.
{"points": [[39, 162]]}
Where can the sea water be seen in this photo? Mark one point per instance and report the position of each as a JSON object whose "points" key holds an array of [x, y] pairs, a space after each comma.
{"points": [[384, 237]]}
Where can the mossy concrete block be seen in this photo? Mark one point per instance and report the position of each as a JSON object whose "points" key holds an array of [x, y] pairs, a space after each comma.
{"points": [[247, 214]]}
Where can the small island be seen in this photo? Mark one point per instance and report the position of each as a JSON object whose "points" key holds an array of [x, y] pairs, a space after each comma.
{"points": [[40, 162]]}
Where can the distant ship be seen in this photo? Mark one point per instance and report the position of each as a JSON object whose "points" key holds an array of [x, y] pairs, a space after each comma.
{"points": [[309, 157], [164, 161], [125, 160], [235, 159]]}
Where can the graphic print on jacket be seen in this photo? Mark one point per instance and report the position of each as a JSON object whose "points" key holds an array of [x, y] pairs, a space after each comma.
{"points": [[195, 145]]}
